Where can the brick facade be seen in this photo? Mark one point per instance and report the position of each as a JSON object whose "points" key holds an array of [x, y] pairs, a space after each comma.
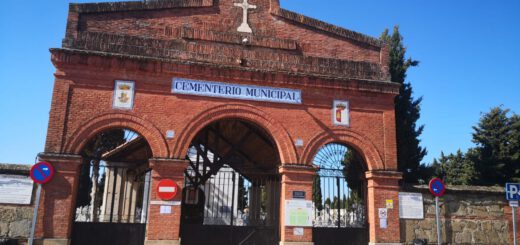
{"points": [[152, 42]]}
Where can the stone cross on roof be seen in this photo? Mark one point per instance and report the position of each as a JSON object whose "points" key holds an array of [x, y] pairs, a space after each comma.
{"points": [[244, 27]]}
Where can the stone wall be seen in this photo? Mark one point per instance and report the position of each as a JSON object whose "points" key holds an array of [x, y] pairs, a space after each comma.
{"points": [[15, 220], [469, 215]]}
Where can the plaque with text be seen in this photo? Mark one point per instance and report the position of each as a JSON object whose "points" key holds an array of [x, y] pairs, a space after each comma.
{"points": [[411, 205], [15, 189]]}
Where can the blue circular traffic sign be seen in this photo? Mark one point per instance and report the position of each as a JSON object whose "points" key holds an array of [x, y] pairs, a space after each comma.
{"points": [[437, 187], [42, 172]]}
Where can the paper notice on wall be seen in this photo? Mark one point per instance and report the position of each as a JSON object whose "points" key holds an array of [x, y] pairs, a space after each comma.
{"points": [[383, 223], [166, 209], [411, 205], [298, 231], [15, 189], [298, 213]]}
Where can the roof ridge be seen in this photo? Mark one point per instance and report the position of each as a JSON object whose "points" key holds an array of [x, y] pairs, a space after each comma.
{"points": [[327, 27]]}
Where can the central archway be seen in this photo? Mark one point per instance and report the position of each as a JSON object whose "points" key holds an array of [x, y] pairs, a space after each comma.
{"points": [[232, 186]]}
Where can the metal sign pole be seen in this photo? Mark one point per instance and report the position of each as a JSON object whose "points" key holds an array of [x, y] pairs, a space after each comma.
{"points": [[35, 213], [514, 225], [438, 221]]}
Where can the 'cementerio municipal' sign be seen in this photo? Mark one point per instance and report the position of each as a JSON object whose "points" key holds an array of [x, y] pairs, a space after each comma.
{"points": [[235, 91]]}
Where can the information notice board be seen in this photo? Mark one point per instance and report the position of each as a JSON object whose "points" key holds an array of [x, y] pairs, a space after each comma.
{"points": [[15, 189], [411, 205], [298, 213]]}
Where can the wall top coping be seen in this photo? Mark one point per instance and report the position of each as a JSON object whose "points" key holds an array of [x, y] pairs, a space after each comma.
{"points": [[458, 188], [16, 169]]}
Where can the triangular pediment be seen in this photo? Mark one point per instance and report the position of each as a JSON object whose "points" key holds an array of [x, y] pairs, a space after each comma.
{"points": [[221, 32]]}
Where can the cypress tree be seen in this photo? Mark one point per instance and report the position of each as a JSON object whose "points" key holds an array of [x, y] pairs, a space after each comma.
{"points": [[407, 109]]}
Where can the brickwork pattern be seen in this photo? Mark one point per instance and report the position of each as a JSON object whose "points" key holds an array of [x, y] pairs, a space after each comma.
{"points": [[152, 42]]}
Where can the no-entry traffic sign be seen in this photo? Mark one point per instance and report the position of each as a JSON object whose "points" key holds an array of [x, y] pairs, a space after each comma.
{"points": [[167, 189], [437, 187], [42, 172]]}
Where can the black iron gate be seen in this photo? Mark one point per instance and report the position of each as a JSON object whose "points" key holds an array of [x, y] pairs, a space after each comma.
{"points": [[116, 210], [231, 209], [339, 197]]}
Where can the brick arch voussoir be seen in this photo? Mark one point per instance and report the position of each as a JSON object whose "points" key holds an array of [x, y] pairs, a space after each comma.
{"points": [[276, 131], [146, 129], [360, 143]]}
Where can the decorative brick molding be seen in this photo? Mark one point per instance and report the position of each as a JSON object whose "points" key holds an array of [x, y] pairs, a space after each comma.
{"points": [[102, 122], [235, 38], [137, 5], [323, 26], [224, 55], [361, 143], [275, 129], [65, 58]]}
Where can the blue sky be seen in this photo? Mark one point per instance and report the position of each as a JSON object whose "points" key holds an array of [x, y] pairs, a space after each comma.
{"points": [[469, 53]]}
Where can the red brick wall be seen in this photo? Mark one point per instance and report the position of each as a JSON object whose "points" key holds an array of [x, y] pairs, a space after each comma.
{"points": [[85, 94], [226, 18], [83, 91]]}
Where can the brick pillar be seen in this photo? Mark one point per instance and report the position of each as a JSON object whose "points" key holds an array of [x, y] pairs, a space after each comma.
{"points": [[58, 200], [382, 186], [164, 228], [295, 178]]}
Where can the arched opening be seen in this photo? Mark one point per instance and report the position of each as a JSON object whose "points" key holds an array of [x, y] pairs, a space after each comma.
{"points": [[232, 186], [112, 196], [339, 196]]}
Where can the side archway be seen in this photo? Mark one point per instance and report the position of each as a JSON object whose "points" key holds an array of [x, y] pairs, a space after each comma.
{"points": [[279, 134], [115, 120], [357, 141]]}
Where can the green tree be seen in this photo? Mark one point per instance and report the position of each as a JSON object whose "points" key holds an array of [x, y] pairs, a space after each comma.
{"points": [[316, 192], [497, 151], [514, 148], [407, 109], [327, 202], [353, 170], [455, 169]]}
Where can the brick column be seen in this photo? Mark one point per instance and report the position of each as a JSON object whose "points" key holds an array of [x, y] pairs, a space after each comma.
{"points": [[295, 178], [382, 186], [58, 200], [164, 228]]}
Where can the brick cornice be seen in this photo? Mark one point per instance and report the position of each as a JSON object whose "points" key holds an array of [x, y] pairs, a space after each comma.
{"points": [[134, 5], [76, 60], [208, 52]]}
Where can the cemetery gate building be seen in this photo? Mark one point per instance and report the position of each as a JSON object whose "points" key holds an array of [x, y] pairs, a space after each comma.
{"points": [[218, 122]]}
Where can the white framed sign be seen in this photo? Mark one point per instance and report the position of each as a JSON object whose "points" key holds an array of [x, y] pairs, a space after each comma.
{"points": [[123, 95], [411, 205], [15, 189], [341, 113], [236, 91], [298, 213]]}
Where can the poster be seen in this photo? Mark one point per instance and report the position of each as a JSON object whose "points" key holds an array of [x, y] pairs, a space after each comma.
{"points": [[340, 113], [411, 205], [298, 213], [15, 189], [123, 95]]}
